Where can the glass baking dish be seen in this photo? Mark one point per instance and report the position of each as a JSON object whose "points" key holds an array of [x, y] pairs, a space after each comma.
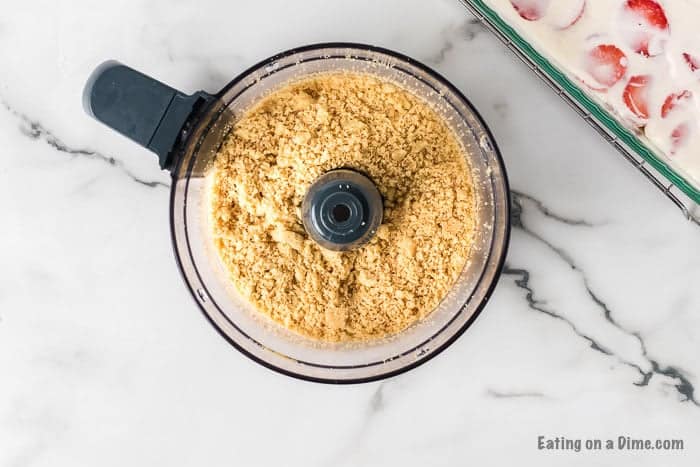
{"points": [[677, 187]]}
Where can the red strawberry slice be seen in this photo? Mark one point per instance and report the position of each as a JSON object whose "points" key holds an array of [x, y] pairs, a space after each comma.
{"points": [[531, 10], [607, 64], [693, 63], [673, 99], [678, 136], [635, 95], [563, 14], [645, 26], [651, 11]]}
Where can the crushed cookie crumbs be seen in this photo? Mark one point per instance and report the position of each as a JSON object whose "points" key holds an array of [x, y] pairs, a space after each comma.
{"points": [[279, 147]]}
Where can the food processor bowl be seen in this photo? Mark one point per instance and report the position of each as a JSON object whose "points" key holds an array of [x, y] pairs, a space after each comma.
{"points": [[194, 147]]}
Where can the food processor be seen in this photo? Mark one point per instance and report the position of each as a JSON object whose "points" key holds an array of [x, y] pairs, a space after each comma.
{"points": [[186, 131]]}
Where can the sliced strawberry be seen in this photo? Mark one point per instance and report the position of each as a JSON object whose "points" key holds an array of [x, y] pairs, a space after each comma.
{"points": [[651, 11], [645, 26], [563, 14], [672, 100], [678, 136], [607, 64], [641, 45], [693, 63], [635, 95], [592, 87], [531, 10]]}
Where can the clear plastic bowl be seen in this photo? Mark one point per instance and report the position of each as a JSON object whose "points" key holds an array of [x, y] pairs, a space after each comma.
{"points": [[265, 341]]}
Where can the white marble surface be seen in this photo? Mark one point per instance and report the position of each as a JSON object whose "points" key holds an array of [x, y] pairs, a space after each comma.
{"points": [[593, 331]]}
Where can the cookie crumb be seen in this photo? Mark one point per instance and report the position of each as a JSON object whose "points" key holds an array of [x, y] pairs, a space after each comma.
{"points": [[303, 130]]}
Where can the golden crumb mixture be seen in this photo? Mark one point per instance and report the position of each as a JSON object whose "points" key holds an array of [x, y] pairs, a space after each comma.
{"points": [[276, 151]]}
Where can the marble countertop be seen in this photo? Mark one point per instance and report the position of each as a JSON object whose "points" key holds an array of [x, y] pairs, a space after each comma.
{"points": [[593, 331]]}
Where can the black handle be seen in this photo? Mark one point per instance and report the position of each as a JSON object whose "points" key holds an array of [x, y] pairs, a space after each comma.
{"points": [[139, 107]]}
